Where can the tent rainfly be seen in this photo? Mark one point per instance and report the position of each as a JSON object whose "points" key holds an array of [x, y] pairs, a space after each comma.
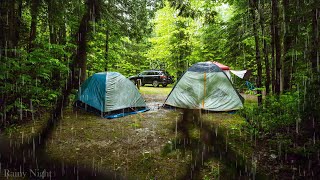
{"points": [[111, 95], [224, 68], [205, 86]]}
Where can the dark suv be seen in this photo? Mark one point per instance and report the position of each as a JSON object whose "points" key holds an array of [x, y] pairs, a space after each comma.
{"points": [[154, 77]]}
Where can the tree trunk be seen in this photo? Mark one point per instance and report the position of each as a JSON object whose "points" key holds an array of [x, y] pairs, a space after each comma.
{"points": [[277, 45], [52, 22], [312, 102], [80, 68], [265, 50], [57, 35], [34, 10], [273, 66], [10, 14], [256, 39], [57, 27], [287, 45], [62, 33], [315, 41]]}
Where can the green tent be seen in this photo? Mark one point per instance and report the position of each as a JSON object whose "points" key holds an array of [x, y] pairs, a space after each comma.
{"points": [[205, 86], [111, 95]]}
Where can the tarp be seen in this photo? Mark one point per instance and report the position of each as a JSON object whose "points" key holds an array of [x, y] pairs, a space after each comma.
{"points": [[243, 74], [205, 86], [109, 92], [240, 74]]}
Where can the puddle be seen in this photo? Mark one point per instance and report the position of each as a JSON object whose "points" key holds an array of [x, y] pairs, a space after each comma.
{"points": [[154, 102], [154, 106]]}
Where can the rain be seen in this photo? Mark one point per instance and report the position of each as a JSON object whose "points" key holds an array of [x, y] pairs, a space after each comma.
{"points": [[173, 103]]}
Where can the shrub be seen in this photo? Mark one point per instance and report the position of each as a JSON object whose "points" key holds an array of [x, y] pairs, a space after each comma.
{"points": [[277, 112]]}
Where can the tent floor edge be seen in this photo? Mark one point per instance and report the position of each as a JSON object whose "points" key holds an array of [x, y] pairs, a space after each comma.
{"points": [[111, 114]]}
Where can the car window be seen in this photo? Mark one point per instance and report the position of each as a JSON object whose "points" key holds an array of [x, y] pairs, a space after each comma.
{"points": [[144, 73], [150, 73]]}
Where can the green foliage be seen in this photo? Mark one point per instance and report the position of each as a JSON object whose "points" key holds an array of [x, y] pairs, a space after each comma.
{"points": [[212, 170], [10, 129], [175, 43], [125, 55], [29, 81], [34, 71], [168, 148], [278, 112], [310, 103]]}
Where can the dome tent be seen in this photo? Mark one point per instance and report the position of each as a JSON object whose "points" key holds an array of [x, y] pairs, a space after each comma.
{"points": [[110, 94], [205, 86]]}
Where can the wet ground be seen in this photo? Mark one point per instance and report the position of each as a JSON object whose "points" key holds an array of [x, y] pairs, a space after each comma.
{"points": [[144, 146], [132, 145]]}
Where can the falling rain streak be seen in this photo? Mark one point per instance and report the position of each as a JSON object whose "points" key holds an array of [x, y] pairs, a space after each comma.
{"points": [[48, 49]]}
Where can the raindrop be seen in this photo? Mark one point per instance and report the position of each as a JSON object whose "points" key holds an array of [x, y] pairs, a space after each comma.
{"points": [[33, 148], [318, 68], [176, 133], [22, 137], [93, 166]]}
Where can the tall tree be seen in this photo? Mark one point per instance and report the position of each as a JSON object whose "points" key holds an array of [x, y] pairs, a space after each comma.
{"points": [[54, 17], [265, 46], [273, 64], [180, 47], [10, 22], [34, 11], [80, 66], [315, 39], [287, 45], [314, 81], [175, 37], [277, 46], [253, 7]]}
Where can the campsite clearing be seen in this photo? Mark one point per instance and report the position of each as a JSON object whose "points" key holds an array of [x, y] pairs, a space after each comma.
{"points": [[141, 146]]}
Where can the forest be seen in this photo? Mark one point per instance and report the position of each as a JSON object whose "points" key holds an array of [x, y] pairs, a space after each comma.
{"points": [[48, 48]]}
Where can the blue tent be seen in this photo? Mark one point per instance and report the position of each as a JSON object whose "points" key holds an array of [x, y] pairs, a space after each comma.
{"points": [[111, 95]]}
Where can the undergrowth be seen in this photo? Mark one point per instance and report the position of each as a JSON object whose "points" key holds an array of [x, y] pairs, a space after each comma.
{"points": [[277, 112]]}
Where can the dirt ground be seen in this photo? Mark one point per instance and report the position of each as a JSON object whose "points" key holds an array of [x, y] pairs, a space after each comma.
{"points": [[131, 145], [141, 146]]}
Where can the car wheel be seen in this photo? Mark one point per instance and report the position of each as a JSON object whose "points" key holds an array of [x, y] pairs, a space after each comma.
{"points": [[142, 84], [155, 83], [164, 85]]}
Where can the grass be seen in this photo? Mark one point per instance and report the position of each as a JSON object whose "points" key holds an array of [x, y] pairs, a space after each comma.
{"points": [[118, 144], [22, 133], [150, 90]]}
